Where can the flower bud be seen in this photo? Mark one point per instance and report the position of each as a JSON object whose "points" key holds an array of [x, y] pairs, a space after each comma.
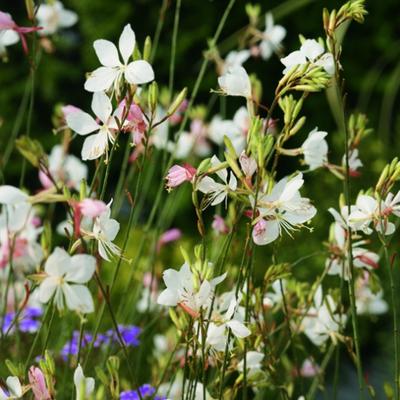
{"points": [[177, 102], [147, 48]]}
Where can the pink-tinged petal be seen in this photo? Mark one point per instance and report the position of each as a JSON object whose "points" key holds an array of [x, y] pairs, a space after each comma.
{"points": [[101, 106], [127, 42], [6, 21], [82, 268], [81, 122], [139, 72], [107, 53], [92, 208], [265, 232], [101, 79], [78, 298], [94, 146]]}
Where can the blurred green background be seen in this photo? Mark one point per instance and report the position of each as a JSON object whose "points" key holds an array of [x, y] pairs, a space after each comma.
{"points": [[371, 61]]}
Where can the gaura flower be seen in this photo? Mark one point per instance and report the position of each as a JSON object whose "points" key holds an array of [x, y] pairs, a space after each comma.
{"points": [[272, 37], [82, 123], [321, 321], [64, 279], [217, 192], [178, 174], [283, 208], [253, 363], [112, 70], [64, 168], [38, 384], [181, 290], [84, 386], [315, 149], [53, 17], [7, 24], [13, 390], [235, 59], [8, 37], [310, 52], [235, 82]]}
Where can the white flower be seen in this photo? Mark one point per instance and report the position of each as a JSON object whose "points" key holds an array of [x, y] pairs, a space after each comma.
{"points": [[217, 192], [16, 208], [14, 389], [368, 210], [235, 59], [82, 123], [272, 37], [338, 264], [112, 70], [8, 37], [181, 291], [53, 16], [236, 129], [310, 51], [274, 297], [217, 334], [354, 161], [64, 168], [235, 82], [368, 302], [253, 363], [105, 229], [84, 386], [315, 149], [283, 208], [321, 321], [65, 276]]}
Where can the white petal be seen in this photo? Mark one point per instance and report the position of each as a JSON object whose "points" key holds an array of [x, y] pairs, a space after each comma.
{"points": [[81, 122], [47, 289], [203, 294], [67, 18], [311, 49], [107, 53], [101, 106], [82, 268], [94, 146], [58, 263], [11, 195], [168, 298], [78, 298], [139, 72], [101, 79], [14, 385], [270, 234], [238, 329], [126, 43]]}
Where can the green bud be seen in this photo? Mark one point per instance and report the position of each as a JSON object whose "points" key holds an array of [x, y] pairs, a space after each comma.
{"points": [[298, 125], [83, 189], [152, 97], [234, 166], [147, 48], [30, 9], [136, 53], [32, 150], [177, 102], [174, 318], [14, 369], [204, 166], [230, 149]]}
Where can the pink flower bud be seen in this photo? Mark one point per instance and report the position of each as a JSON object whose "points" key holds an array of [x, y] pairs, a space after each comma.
{"points": [[168, 236], [178, 174], [38, 384], [219, 225], [92, 208], [248, 164]]}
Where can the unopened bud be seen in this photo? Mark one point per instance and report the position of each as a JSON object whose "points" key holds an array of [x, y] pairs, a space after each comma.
{"points": [[177, 102], [147, 48]]}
